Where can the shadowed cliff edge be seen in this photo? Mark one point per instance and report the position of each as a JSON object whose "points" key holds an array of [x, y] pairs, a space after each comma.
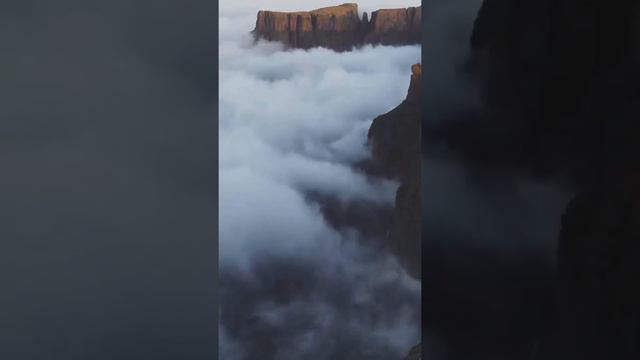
{"points": [[340, 28], [395, 142]]}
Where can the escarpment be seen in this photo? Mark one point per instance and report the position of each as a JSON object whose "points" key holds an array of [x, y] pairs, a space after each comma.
{"points": [[394, 27], [339, 27], [395, 136], [335, 27], [395, 144], [394, 139]]}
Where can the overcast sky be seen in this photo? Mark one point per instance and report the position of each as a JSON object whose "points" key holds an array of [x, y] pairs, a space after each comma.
{"points": [[294, 123]]}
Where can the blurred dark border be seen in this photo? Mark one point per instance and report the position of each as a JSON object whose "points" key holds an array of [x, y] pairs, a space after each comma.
{"points": [[108, 179]]}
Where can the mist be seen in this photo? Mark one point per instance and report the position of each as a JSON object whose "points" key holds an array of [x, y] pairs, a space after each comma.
{"points": [[294, 123]]}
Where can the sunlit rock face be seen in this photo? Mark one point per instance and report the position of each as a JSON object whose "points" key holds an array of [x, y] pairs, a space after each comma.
{"points": [[339, 27], [394, 26]]}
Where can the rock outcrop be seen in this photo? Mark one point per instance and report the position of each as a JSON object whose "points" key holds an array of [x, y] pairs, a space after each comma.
{"points": [[339, 27], [395, 143], [394, 26]]}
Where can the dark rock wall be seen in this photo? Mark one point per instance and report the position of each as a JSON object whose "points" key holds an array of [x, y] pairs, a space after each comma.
{"points": [[395, 143]]}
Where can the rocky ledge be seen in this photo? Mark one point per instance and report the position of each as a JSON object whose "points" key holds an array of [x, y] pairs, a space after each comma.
{"points": [[340, 28], [395, 144]]}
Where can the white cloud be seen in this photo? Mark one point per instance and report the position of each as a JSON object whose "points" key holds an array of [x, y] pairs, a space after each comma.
{"points": [[294, 122]]}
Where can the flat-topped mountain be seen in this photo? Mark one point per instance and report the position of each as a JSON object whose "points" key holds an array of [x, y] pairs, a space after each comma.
{"points": [[394, 26], [339, 27]]}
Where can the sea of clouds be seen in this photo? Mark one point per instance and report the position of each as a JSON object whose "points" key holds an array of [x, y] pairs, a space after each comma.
{"points": [[294, 122]]}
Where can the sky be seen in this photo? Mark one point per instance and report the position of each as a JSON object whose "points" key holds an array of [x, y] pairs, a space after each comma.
{"points": [[108, 156], [294, 123]]}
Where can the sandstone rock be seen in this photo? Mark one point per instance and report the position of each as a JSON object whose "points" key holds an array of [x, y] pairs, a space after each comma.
{"points": [[336, 27], [339, 27], [395, 26], [559, 81]]}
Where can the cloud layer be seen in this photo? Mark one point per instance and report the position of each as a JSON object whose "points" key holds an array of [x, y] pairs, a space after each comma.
{"points": [[293, 123]]}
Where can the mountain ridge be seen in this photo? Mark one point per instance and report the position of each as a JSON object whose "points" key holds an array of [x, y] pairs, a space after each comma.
{"points": [[340, 27]]}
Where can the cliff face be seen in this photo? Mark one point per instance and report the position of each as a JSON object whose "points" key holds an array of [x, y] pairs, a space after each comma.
{"points": [[394, 26], [395, 144], [339, 27], [335, 27]]}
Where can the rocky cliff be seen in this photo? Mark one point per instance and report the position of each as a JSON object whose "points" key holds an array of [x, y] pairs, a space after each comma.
{"points": [[339, 27], [559, 77], [395, 143], [394, 27]]}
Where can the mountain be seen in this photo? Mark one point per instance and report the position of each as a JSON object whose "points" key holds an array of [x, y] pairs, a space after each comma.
{"points": [[340, 27], [395, 143]]}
